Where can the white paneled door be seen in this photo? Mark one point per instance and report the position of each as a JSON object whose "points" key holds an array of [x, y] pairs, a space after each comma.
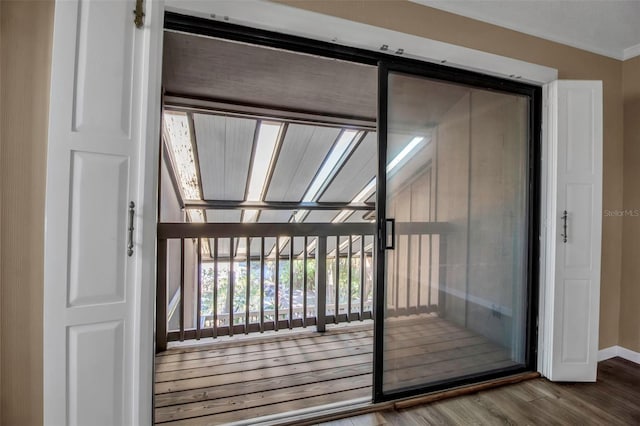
{"points": [[574, 233], [93, 329]]}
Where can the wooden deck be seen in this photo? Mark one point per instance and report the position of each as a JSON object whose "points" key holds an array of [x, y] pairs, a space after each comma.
{"points": [[239, 380]]}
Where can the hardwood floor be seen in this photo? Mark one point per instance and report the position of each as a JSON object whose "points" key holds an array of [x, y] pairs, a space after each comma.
{"points": [[613, 400], [241, 379]]}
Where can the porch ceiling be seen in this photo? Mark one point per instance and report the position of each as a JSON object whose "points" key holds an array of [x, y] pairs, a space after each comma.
{"points": [[299, 163], [239, 73]]}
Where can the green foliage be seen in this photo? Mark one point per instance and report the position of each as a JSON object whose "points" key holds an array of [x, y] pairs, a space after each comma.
{"points": [[240, 285]]}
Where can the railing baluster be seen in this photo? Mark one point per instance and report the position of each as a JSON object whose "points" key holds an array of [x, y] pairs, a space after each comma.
{"points": [[337, 279], [442, 277], [419, 271], [277, 283], [321, 283], [199, 289], [291, 239], [373, 262], [215, 288], [230, 291], [362, 264], [304, 283], [396, 275], [408, 275], [161, 298], [349, 279], [261, 284], [248, 288], [182, 289], [430, 270]]}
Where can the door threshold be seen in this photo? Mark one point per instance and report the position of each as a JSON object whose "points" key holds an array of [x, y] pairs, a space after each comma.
{"points": [[356, 407]]}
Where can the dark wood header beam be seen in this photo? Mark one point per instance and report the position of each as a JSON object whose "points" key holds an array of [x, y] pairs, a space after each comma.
{"points": [[276, 205]]}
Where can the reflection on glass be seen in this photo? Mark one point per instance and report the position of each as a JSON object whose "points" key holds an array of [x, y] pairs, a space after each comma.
{"points": [[456, 186]]}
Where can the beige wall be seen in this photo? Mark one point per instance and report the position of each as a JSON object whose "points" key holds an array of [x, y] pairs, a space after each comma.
{"points": [[630, 286], [26, 31], [26, 28], [404, 16]]}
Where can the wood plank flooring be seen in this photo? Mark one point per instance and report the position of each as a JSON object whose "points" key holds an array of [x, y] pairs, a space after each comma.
{"points": [[613, 400], [234, 380]]}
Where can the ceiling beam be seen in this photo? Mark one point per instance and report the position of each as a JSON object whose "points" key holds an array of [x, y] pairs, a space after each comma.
{"points": [[276, 205], [193, 104]]}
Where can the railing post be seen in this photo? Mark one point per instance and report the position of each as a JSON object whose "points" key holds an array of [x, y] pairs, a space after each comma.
{"points": [[199, 289], [337, 283], [161, 298], [182, 289], [419, 273], [231, 278], [304, 282], [349, 254], [291, 253], [276, 281], [247, 295], [261, 284], [321, 283], [362, 277], [215, 289], [430, 269]]}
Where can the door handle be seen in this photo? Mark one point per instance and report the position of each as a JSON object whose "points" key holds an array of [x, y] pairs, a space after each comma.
{"points": [[390, 224], [564, 234], [132, 210]]}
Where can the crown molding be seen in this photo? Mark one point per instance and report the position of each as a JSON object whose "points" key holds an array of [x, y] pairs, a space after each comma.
{"points": [[631, 52]]}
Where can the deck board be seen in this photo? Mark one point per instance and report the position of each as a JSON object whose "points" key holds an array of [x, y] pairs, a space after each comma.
{"points": [[238, 380]]}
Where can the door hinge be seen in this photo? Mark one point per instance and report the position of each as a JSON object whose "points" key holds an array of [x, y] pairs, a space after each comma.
{"points": [[139, 14]]}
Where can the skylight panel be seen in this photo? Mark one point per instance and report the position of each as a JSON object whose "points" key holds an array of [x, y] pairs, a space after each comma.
{"points": [[338, 154], [179, 135], [263, 159], [265, 146]]}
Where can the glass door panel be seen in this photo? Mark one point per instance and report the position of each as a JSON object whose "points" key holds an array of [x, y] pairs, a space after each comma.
{"points": [[457, 219]]}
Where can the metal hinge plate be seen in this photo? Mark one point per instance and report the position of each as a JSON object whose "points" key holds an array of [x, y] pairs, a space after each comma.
{"points": [[139, 14]]}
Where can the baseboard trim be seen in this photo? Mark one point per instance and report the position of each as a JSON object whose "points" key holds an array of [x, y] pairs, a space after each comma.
{"points": [[614, 351]]}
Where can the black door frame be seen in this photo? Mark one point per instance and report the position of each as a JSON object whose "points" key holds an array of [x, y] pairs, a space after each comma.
{"points": [[386, 63], [473, 80]]}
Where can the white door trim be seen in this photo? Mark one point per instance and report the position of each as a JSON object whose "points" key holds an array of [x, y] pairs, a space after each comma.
{"points": [[148, 196], [548, 196]]}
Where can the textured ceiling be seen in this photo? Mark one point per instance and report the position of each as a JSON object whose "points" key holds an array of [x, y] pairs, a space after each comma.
{"points": [[606, 27]]}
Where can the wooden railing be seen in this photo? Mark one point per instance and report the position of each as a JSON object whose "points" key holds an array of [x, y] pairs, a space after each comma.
{"points": [[281, 302], [320, 273]]}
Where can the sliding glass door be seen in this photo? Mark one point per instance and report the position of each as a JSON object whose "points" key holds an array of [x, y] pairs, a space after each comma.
{"points": [[455, 214]]}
